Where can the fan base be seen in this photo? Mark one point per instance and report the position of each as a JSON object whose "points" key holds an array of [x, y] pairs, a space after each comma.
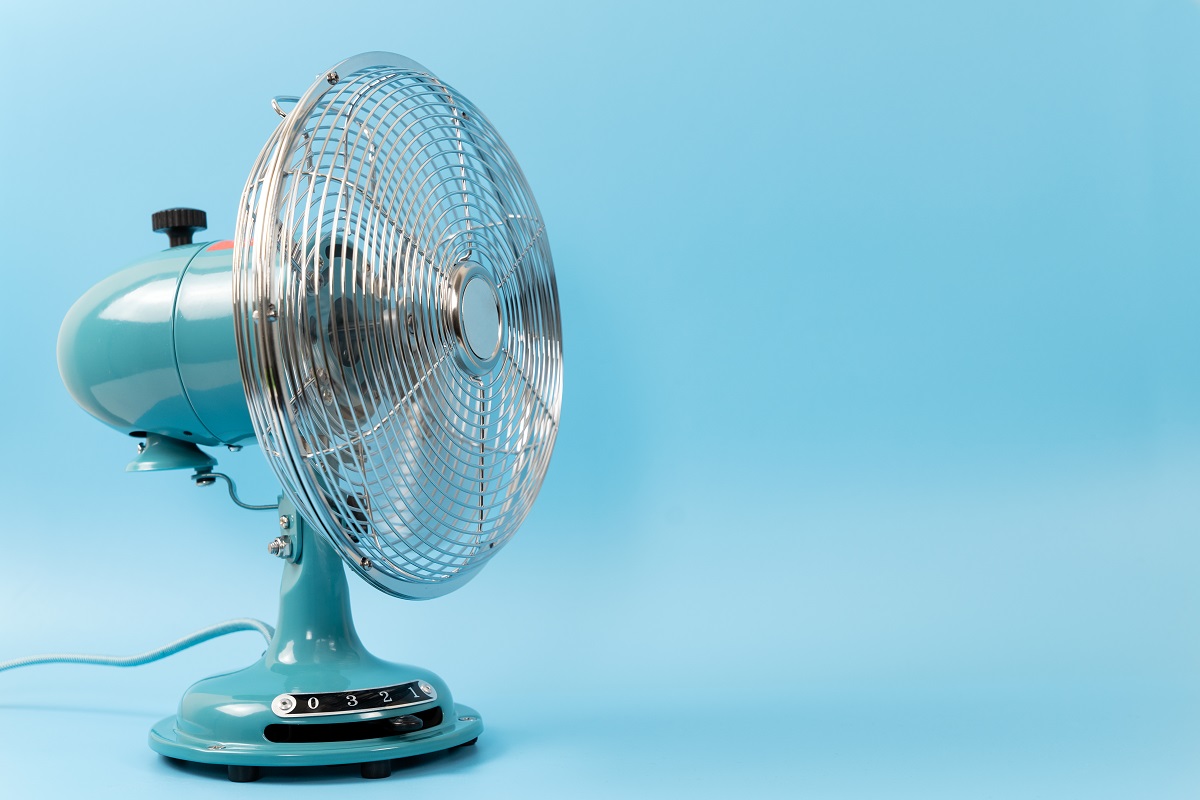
{"points": [[253, 717]]}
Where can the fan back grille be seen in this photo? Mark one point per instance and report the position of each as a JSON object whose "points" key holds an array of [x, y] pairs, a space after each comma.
{"points": [[376, 194]]}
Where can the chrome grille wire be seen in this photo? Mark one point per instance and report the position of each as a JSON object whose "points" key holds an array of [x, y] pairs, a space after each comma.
{"points": [[382, 195]]}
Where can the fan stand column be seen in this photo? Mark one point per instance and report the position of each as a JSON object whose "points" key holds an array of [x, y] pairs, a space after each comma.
{"points": [[316, 626], [317, 696]]}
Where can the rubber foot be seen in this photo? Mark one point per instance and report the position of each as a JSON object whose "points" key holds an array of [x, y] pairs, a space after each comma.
{"points": [[242, 774], [470, 743], [375, 769]]}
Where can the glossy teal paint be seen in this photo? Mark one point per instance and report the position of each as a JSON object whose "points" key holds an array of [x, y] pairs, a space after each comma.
{"points": [[163, 452], [152, 348], [206, 345], [315, 649]]}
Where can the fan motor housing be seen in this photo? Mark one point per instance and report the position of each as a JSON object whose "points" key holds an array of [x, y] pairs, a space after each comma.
{"points": [[152, 348]]}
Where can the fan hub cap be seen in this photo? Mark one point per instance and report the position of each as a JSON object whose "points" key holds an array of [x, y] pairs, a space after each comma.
{"points": [[477, 318]]}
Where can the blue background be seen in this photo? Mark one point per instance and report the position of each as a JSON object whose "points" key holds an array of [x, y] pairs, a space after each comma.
{"points": [[879, 456]]}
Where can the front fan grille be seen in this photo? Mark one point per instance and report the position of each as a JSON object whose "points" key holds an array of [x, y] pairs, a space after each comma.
{"points": [[377, 193]]}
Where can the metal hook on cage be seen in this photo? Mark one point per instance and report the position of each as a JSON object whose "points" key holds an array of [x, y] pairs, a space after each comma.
{"points": [[206, 477], [279, 99]]}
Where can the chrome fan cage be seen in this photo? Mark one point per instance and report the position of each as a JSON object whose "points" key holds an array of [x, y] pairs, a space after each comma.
{"points": [[397, 324]]}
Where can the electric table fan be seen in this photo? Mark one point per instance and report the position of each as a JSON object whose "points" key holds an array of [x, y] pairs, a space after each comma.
{"points": [[385, 324]]}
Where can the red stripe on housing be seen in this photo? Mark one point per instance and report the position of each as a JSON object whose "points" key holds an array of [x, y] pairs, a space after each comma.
{"points": [[226, 245]]}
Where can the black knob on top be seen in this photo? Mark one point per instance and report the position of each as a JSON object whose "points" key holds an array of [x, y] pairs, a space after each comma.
{"points": [[179, 224]]}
